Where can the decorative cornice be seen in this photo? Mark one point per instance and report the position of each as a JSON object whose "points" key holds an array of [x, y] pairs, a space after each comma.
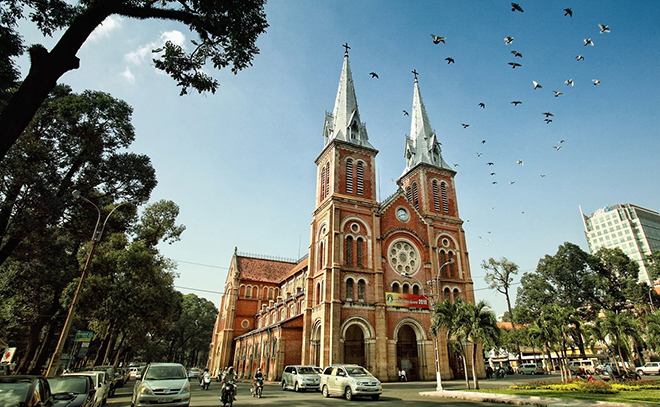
{"points": [[402, 229]]}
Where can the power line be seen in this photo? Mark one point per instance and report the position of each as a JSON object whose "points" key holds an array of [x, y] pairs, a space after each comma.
{"points": [[200, 264], [199, 289]]}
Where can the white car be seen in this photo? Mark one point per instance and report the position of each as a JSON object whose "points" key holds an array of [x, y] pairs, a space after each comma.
{"points": [[649, 368], [530, 368], [301, 377], [165, 384], [349, 381], [101, 383]]}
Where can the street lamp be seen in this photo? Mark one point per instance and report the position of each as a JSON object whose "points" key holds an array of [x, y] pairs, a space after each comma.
{"points": [[433, 297], [96, 238]]}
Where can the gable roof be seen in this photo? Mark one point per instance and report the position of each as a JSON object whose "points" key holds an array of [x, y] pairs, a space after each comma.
{"points": [[271, 271]]}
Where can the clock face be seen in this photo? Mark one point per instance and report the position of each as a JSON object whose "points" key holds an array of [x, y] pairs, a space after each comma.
{"points": [[402, 214]]}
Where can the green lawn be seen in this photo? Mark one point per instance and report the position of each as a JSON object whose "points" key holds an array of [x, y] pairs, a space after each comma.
{"points": [[638, 396]]}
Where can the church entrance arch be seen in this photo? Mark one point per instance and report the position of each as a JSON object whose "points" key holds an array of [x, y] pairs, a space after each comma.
{"points": [[316, 344], [354, 345], [406, 352]]}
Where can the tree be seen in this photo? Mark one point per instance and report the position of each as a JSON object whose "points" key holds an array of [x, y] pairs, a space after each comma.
{"points": [[448, 315], [617, 283], [479, 325], [228, 30]]}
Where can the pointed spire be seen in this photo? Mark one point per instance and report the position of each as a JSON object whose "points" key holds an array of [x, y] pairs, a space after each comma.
{"points": [[344, 122], [423, 145]]}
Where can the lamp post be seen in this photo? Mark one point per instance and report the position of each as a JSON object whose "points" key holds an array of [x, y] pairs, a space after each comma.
{"points": [[96, 238], [433, 297]]}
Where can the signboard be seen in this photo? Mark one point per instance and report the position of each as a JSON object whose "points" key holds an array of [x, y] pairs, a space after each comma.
{"points": [[406, 300], [8, 355], [83, 336]]}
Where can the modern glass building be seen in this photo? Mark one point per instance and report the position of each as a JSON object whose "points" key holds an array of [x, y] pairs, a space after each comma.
{"points": [[631, 228]]}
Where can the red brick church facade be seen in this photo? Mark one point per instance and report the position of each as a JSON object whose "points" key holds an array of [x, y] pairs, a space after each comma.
{"points": [[361, 294]]}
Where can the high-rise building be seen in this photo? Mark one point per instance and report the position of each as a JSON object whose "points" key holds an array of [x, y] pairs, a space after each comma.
{"points": [[631, 228]]}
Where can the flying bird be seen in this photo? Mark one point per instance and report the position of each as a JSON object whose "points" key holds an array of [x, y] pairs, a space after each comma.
{"points": [[520, 162], [492, 173], [508, 40], [595, 81], [449, 60], [568, 12], [537, 85], [516, 7], [455, 164], [480, 154], [406, 113], [516, 54], [547, 121], [547, 114], [557, 147], [561, 141], [604, 28], [587, 41], [465, 125], [512, 182], [514, 65], [494, 182], [569, 82], [482, 105], [483, 141], [373, 75], [557, 94], [579, 58], [438, 39], [516, 102], [542, 175], [490, 163]]}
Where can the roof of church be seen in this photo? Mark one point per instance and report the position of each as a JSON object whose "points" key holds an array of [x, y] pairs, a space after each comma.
{"points": [[423, 146], [257, 269]]}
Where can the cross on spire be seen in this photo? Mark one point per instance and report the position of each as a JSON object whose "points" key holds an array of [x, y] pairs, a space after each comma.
{"points": [[347, 48], [414, 71]]}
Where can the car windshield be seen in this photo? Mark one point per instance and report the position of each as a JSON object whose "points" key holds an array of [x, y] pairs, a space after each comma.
{"points": [[165, 373], [76, 385], [13, 393], [306, 370], [356, 371]]}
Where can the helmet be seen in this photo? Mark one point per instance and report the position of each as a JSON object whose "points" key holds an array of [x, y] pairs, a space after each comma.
{"points": [[231, 369]]}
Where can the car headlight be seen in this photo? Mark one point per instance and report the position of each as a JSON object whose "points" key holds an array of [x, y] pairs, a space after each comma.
{"points": [[146, 390], [185, 388]]}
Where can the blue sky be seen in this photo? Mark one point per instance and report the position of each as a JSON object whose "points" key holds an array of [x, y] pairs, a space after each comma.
{"points": [[240, 163]]}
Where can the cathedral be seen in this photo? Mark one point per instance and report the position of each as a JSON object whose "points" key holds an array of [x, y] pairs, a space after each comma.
{"points": [[364, 292]]}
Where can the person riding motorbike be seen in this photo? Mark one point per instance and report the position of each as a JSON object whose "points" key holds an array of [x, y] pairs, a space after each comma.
{"points": [[228, 380], [206, 379], [258, 383]]}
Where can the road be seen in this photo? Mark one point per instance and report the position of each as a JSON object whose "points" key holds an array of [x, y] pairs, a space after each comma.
{"points": [[394, 394]]}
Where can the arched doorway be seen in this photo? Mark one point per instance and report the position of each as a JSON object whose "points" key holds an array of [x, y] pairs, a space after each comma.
{"points": [[316, 344], [354, 345], [406, 352]]}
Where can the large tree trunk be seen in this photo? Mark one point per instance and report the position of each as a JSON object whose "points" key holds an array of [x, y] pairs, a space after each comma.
{"points": [[474, 366]]}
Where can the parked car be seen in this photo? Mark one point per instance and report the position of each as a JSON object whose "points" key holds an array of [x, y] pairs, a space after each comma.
{"points": [[25, 391], [588, 366], [110, 370], [73, 391], [301, 377], [530, 368], [101, 384], [165, 384], [194, 373], [649, 368], [349, 381], [5, 369]]}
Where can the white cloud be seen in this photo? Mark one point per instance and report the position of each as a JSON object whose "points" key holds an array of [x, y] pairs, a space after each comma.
{"points": [[110, 24], [144, 54], [128, 75]]}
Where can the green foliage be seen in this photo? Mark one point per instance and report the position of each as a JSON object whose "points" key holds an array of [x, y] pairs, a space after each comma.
{"points": [[575, 385]]}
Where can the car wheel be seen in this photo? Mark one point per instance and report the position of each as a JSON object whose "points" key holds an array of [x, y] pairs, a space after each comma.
{"points": [[640, 372], [348, 393], [325, 391], [375, 397], [283, 385]]}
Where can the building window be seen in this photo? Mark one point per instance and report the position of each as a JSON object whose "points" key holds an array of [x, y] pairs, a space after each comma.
{"points": [[361, 290], [404, 288], [457, 294], [443, 259], [436, 198], [395, 287], [445, 203], [447, 293], [360, 179], [409, 194], [321, 255], [322, 183], [451, 265], [416, 290], [349, 289], [360, 244], [415, 196], [349, 176], [349, 250], [248, 292]]}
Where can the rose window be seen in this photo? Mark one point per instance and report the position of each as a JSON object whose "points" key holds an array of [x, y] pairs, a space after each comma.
{"points": [[403, 257]]}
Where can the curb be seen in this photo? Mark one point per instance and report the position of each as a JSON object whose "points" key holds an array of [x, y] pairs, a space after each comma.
{"points": [[524, 400]]}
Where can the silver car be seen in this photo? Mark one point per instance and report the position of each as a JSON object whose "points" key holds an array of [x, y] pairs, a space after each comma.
{"points": [[165, 384], [350, 381], [101, 383], [301, 377]]}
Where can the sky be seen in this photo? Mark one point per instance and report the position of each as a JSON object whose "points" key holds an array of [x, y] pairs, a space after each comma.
{"points": [[240, 162]]}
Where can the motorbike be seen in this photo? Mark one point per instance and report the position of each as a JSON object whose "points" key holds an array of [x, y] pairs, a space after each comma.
{"points": [[258, 387], [501, 373], [206, 382], [228, 393]]}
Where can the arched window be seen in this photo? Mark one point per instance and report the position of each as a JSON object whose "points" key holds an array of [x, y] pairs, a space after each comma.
{"points": [[457, 294], [349, 176], [321, 254], [265, 293], [405, 288], [395, 287], [415, 196], [349, 250], [327, 179], [248, 292], [451, 265], [409, 194], [360, 179], [360, 244], [443, 259], [447, 293], [322, 183], [445, 203], [416, 289], [318, 293], [349, 289], [361, 290], [436, 198]]}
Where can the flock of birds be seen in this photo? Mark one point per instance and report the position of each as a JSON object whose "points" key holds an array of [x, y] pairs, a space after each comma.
{"points": [[517, 62]]}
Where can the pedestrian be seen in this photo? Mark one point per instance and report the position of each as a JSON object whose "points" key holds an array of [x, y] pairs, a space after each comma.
{"points": [[402, 375]]}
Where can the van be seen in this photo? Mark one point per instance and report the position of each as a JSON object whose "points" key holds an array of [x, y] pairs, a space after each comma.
{"points": [[530, 368], [587, 365], [300, 377]]}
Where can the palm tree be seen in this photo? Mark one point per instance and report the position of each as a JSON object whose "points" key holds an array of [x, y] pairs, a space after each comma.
{"points": [[479, 326], [653, 329], [620, 327], [448, 315]]}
